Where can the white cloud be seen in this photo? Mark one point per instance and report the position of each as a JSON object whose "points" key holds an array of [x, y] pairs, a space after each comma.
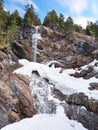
{"points": [[25, 2], [83, 21], [76, 7]]}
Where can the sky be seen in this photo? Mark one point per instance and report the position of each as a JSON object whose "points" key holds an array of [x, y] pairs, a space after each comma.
{"points": [[80, 10]]}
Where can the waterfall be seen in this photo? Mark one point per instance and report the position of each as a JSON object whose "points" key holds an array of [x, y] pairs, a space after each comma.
{"points": [[40, 93], [35, 37]]}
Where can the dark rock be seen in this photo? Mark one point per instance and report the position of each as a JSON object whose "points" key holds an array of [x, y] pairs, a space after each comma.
{"points": [[94, 86], [22, 49], [36, 73], [86, 73], [82, 115], [83, 73], [79, 107], [96, 75], [4, 121], [58, 94]]}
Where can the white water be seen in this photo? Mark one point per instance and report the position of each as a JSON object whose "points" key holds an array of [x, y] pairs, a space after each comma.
{"points": [[35, 37], [39, 93], [42, 95]]}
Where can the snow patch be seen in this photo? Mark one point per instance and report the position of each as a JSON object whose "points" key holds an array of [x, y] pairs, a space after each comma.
{"points": [[62, 81], [57, 121]]}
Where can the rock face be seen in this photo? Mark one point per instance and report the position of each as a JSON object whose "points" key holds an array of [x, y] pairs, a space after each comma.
{"points": [[54, 46], [87, 73], [22, 49], [15, 98], [79, 107]]}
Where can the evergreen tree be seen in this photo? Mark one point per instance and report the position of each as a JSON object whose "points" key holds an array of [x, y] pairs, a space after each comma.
{"points": [[78, 28], [61, 21], [3, 16], [36, 20], [1, 4], [69, 28], [14, 19], [30, 16], [92, 29], [88, 31], [51, 18]]}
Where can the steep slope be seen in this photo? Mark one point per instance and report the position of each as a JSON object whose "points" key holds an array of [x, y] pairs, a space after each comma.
{"points": [[53, 46], [74, 90], [56, 46]]}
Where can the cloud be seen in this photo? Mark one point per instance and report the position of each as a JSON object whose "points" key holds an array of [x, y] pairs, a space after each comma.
{"points": [[83, 21], [80, 10], [76, 7], [25, 2]]}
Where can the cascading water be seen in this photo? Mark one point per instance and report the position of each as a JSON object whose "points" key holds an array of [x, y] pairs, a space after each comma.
{"points": [[35, 37], [40, 92]]}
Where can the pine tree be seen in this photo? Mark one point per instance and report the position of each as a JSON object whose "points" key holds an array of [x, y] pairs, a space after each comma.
{"points": [[78, 28], [51, 18], [14, 19], [1, 4], [92, 29], [69, 29], [61, 21], [3, 16], [30, 16]]}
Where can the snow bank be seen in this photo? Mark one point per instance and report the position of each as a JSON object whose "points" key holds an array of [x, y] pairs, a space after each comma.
{"points": [[62, 81], [57, 121]]}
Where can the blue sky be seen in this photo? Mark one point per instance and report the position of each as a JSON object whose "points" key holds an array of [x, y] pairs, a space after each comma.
{"points": [[79, 10]]}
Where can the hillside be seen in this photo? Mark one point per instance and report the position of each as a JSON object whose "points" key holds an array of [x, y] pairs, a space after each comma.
{"points": [[52, 46], [63, 78]]}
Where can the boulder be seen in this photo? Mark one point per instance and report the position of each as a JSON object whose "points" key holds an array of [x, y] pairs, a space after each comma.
{"points": [[79, 107], [15, 98], [94, 86]]}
